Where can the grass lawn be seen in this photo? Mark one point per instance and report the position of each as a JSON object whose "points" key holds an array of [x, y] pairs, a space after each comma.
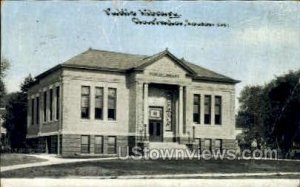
{"points": [[8, 159], [150, 167]]}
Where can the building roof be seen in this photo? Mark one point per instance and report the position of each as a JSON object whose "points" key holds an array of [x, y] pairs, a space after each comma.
{"points": [[106, 59], [123, 62]]}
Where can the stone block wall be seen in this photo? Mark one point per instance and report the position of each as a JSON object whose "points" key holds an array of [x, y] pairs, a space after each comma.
{"points": [[71, 145], [227, 144]]}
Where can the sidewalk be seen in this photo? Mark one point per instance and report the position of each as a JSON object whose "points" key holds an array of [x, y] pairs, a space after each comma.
{"points": [[192, 176], [51, 160], [150, 182]]}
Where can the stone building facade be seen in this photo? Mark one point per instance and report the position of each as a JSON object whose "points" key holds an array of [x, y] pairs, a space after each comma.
{"points": [[99, 101]]}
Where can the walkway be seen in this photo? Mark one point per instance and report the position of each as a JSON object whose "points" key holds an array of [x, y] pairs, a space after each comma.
{"points": [[51, 160], [152, 182], [194, 176]]}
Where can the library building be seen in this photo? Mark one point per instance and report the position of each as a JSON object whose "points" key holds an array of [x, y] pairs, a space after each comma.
{"points": [[98, 101]]}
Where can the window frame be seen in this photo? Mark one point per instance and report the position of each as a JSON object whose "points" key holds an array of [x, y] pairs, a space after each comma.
{"points": [[32, 111], [115, 104], [37, 100], [209, 105], [88, 144], [57, 92], [51, 104], [199, 145], [110, 146], [45, 106], [221, 145], [198, 104], [210, 144], [220, 108], [102, 103], [89, 103], [101, 145]]}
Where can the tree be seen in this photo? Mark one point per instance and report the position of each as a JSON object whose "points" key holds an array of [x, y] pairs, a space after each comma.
{"points": [[15, 119], [2, 93], [283, 123], [270, 114], [250, 115], [27, 83], [4, 66]]}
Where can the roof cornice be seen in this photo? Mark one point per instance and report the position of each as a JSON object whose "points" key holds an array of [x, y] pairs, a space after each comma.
{"points": [[75, 66], [221, 80], [49, 71]]}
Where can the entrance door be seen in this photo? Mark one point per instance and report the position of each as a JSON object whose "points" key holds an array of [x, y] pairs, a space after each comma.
{"points": [[155, 131]]}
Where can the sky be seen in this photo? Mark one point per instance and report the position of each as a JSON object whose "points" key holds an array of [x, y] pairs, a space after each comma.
{"points": [[262, 39]]}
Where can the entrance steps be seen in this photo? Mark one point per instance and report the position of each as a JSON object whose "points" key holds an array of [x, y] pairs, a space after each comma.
{"points": [[167, 145], [172, 149]]}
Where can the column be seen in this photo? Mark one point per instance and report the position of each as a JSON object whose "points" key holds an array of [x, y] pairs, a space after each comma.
{"points": [[180, 124], [146, 108], [139, 104]]}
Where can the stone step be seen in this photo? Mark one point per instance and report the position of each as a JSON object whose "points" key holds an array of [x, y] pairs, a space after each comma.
{"points": [[166, 145], [177, 150]]}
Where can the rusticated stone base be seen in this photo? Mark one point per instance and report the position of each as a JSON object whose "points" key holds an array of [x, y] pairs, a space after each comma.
{"points": [[71, 145], [227, 144]]}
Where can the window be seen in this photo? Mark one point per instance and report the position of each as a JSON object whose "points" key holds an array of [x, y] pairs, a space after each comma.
{"points": [[207, 144], [51, 105], [112, 101], [196, 117], [45, 106], [207, 111], [98, 144], [98, 103], [57, 102], [85, 144], [37, 110], [32, 111], [198, 143], [218, 144], [218, 110], [85, 102], [111, 146]]}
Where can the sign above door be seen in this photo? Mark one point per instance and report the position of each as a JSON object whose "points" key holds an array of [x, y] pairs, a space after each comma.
{"points": [[155, 113]]}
